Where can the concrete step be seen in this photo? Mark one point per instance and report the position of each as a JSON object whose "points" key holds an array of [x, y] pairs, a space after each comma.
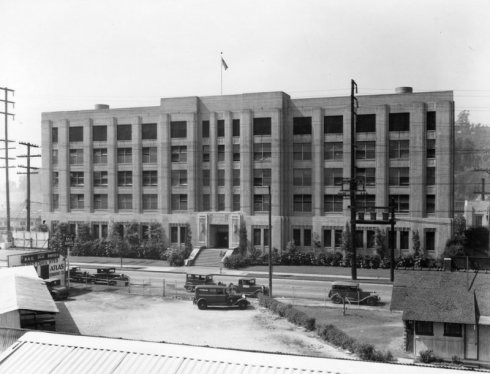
{"points": [[209, 257]]}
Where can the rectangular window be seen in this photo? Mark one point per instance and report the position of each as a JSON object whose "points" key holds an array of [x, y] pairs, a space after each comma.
{"points": [[404, 239], [76, 156], [399, 177], [54, 135], [150, 178], [334, 151], [431, 148], [302, 177], [333, 124], [206, 176], [327, 238], [236, 127], [54, 157], [366, 201], [206, 202], [149, 155], [301, 151], [76, 201], [333, 176], [150, 201], [431, 121], [100, 179], [399, 122], [430, 204], [221, 152], [424, 328], [55, 179], [333, 203], [221, 128], [453, 329], [266, 237], [262, 151], [297, 237], [178, 129], [221, 202], [236, 177], [261, 203], [148, 131], [221, 177], [302, 126], [338, 238], [99, 133], [262, 126], [257, 236], [174, 234], [179, 202], [236, 152], [123, 132], [359, 239], [205, 129], [100, 201], [370, 238], [402, 203], [431, 176], [125, 178], [236, 202], [76, 179], [307, 237], [124, 201], [100, 156], [75, 134], [366, 123], [124, 155], [55, 201], [367, 175], [302, 203], [179, 153], [262, 177], [365, 150], [205, 153], [399, 149], [179, 178]]}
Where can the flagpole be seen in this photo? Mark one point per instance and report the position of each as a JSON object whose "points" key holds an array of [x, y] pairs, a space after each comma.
{"points": [[221, 71]]}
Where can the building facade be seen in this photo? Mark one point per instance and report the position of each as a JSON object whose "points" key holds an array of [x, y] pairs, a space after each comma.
{"points": [[208, 162]]}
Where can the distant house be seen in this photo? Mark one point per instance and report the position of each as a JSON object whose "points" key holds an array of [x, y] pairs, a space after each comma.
{"points": [[446, 312], [477, 212]]}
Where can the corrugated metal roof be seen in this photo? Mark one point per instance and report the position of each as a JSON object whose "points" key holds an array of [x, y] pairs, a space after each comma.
{"points": [[24, 292], [40, 352]]}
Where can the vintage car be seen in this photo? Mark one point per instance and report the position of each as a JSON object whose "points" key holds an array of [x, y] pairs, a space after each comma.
{"points": [[108, 275], [57, 291], [350, 292], [214, 295], [79, 276], [249, 287], [193, 280]]}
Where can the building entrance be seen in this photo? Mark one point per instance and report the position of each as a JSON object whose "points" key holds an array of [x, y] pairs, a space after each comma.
{"points": [[220, 236]]}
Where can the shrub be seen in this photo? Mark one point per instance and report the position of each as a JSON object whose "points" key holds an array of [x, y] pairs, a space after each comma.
{"points": [[337, 337], [427, 356], [235, 261], [175, 257], [375, 261], [337, 259]]}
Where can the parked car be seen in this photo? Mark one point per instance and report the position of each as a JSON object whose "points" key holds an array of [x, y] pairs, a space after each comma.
{"points": [[193, 280], [79, 276], [352, 293], [57, 291], [214, 295], [249, 287], [110, 277]]}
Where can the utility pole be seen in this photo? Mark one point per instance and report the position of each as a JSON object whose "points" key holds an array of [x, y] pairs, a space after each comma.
{"points": [[28, 172], [6, 143], [270, 242], [353, 180]]}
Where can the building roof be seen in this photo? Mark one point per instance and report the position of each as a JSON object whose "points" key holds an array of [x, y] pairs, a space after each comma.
{"points": [[20, 289], [41, 352], [442, 296]]}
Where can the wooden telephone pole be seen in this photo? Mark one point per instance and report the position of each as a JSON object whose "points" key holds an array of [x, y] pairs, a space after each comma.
{"points": [[29, 171]]}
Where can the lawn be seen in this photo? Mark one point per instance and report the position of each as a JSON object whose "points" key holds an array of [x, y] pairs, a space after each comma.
{"points": [[322, 270], [381, 328]]}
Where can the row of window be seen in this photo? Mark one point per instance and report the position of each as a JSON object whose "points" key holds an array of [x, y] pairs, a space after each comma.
{"points": [[427, 328], [261, 127]]}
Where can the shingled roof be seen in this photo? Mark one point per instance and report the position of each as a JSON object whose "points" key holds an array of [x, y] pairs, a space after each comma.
{"points": [[442, 296]]}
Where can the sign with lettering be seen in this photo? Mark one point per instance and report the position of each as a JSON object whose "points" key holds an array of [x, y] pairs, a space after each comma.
{"points": [[36, 257]]}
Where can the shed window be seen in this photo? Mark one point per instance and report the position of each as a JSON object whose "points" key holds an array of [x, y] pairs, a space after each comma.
{"points": [[453, 329], [424, 328]]}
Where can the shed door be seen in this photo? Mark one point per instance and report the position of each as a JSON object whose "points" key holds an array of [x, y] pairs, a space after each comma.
{"points": [[45, 271], [470, 342], [484, 343]]}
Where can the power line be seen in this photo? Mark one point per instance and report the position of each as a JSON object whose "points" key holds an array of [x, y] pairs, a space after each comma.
{"points": [[28, 172]]}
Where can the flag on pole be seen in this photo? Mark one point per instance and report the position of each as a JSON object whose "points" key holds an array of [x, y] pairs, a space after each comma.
{"points": [[224, 63]]}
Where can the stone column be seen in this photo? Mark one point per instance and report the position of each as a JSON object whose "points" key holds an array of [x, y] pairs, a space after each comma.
{"points": [[418, 160], [64, 166], [165, 164], [192, 169], [318, 163], [246, 161], [88, 170], [228, 161], [137, 167], [276, 188], [47, 165], [382, 155], [213, 162], [112, 166], [346, 155], [444, 159]]}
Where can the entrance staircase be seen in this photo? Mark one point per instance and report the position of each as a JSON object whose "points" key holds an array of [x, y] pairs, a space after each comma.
{"points": [[209, 257]]}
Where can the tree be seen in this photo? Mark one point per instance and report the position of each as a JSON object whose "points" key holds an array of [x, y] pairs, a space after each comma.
{"points": [[380, 242], [243, 243], [59, 240], [416, 242], [346, 239], [459, 226], [188, 241]]}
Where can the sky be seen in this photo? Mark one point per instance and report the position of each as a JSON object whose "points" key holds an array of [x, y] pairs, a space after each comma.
{"points": [[69, 55]]}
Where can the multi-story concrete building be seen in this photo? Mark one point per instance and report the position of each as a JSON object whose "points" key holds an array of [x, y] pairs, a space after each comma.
{"points": [[208, 161]]}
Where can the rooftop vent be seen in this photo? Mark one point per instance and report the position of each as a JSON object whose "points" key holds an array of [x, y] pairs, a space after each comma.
{"points": [[101, 106], [403, 90]]}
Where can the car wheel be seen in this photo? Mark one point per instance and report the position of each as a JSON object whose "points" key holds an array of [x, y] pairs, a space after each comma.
{"points": [[202, 304], [337, 300], [371, 301], [242, 305]]}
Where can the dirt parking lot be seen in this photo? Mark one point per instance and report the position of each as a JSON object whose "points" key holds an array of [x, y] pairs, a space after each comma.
{"points": [[119, 315]]}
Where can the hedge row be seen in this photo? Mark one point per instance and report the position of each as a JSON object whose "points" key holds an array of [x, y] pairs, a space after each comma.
{"points": [[327, 332]]}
